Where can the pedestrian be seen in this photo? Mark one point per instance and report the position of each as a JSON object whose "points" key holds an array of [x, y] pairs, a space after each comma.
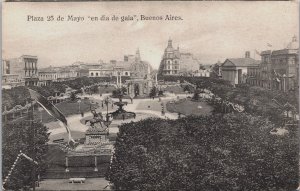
{"points": [[102, 105], [131, 100], [123, 116], [82, 114]]}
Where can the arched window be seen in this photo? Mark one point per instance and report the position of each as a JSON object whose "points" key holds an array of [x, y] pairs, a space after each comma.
{"points": [[126, 73], [92, 74], [97, 74]]}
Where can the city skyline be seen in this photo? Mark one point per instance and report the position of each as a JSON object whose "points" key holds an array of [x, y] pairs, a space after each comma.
{"points": [[205, 31]]}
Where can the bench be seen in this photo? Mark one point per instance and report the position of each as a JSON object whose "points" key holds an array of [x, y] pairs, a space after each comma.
{"points": [[77, 180]]}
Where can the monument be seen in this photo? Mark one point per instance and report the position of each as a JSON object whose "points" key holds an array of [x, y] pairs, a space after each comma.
{"points": [[120, 113], [140, 85]]}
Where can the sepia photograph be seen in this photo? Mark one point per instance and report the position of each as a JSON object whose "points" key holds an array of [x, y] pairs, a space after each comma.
{"points": [[138, 95]]}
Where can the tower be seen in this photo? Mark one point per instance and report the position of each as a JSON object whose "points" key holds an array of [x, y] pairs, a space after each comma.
{"points": [[137, 55], [148, 71], [170, 43]]}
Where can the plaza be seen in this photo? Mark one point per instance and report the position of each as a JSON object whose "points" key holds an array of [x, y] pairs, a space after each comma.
{"points": [[207, 102], [143, 108]]}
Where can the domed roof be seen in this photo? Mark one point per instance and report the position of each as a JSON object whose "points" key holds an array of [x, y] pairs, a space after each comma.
{"points": [[294, 44], [169, 47]]}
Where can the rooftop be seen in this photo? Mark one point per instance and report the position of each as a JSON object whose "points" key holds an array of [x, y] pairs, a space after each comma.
{"points": [[243, 62]]}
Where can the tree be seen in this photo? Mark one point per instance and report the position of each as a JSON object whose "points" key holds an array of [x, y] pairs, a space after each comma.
{"points": [[217, 152], [124, 89], [160, 93], [94, 89], [19, 136], [153, 92], [187, 88], [73, 96], [196, 95], [117, 93]]}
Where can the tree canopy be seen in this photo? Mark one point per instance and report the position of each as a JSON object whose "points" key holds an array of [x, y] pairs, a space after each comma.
{"points": [[217, 152], [19, 137]]}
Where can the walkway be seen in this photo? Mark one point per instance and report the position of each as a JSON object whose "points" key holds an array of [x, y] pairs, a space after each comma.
{"points": [[138, 106]]}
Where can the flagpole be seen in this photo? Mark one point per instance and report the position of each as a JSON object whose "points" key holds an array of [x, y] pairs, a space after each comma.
{"points": [[32, 143]]}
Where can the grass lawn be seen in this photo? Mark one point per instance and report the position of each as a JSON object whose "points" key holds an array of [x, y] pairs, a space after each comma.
{"points": [[155, 105], [105, 90], [188, 107], [67, 108], [173, 89]]}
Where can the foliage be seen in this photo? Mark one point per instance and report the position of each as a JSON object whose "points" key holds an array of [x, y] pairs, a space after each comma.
{"points": [[73, 96], [94, 89], [160, 93], [14, 96], [117, 93], [256, 100], [153, 92], [196, 95], [187, 88], [215, 71], [124, 89], [216, 152], [19, 136], [19, 95]]}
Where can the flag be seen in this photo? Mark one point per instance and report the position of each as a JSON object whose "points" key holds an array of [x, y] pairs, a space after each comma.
{"points": [[51, 109], [269, 45]]}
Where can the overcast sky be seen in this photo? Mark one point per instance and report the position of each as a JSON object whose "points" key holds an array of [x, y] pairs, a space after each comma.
{"points": [[212, 31]]}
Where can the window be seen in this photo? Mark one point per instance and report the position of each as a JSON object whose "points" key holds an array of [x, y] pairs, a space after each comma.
{"points": [[97, 74], [126, 73], [293, 61], [92, 74]]}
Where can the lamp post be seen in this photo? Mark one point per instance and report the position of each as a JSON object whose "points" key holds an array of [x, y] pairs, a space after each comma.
{"points": [[108, 119], [79, 101], [284, 76]]}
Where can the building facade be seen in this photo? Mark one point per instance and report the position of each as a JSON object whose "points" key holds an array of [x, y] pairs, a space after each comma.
{"points": [[20, 71], [131, 66], [176, 63], [203, 71], [279, 69], [10, 78], [58, 74], [236, 70]]}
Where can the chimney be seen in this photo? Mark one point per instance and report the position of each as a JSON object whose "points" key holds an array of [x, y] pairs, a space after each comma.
{"points": [[247, 54]]}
